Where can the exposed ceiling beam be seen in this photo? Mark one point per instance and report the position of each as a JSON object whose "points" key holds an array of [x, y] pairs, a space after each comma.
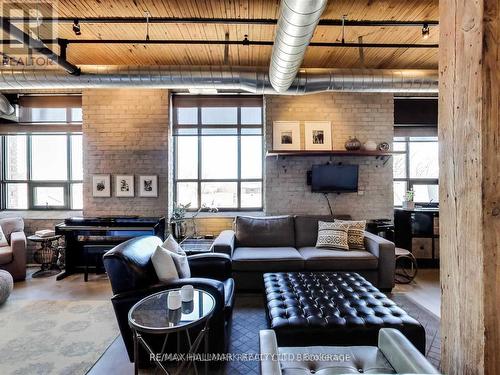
{"points": [[245, 21], [244, 42], [38, 46]]}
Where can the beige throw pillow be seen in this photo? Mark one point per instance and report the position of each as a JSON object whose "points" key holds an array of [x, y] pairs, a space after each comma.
{"points": [[3, 239], [164, 265], [178, 256], [355, 234], [332, 235]]}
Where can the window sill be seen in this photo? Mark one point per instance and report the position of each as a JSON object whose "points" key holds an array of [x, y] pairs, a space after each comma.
{"points": [[223, 214], [41, 214]]}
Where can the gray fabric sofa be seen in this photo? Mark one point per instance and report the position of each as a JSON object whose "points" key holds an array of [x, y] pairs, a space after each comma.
{"points": [[287, 243], [13, 257], [394, 354]]}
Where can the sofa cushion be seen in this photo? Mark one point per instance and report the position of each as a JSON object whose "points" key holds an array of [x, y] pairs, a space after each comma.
{"points": [[5, 255], [306, 228], [351, 360], [267, 259], [271, 231], [337, 260]]}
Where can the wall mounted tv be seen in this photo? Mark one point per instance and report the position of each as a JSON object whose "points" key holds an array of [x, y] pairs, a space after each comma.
{"points": [[331, 178]]}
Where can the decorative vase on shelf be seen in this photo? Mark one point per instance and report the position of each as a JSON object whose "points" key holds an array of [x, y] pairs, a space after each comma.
{"points": [[370, 146], [353, 144]]}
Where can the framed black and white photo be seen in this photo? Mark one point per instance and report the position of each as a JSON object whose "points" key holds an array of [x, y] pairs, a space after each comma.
{"points": [[148, 186], [101, 185], [124, 186], [286, 135], [318, 135]]}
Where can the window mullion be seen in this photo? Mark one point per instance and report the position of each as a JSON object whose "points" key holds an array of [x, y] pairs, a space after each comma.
{"points": [[238, 184]]}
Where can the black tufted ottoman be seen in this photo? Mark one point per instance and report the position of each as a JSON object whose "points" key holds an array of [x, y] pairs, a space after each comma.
{"points": [[332, 308]]}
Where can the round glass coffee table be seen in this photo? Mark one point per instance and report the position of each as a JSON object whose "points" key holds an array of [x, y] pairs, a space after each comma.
{"points": [[151, 315]]}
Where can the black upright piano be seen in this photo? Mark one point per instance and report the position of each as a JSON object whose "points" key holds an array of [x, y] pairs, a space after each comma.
{"points": [[96, 235]]}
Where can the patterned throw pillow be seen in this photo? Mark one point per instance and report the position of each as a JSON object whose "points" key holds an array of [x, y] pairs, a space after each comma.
{"points": [[332, 235], [355, 234]]}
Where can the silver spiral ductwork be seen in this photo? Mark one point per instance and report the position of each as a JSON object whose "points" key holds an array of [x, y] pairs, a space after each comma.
{"points": [[251, 80], [296, 24]]}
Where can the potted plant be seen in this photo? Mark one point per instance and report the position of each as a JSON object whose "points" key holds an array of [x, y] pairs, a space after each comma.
{"points": [[178, 220]]}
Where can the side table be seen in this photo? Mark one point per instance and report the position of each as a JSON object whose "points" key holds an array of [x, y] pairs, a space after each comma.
{"points": [[197, 245], [46, 255], [152, 316]]}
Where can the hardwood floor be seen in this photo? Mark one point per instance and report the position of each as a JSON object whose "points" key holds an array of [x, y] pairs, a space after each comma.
{"points": [[425, 290]]}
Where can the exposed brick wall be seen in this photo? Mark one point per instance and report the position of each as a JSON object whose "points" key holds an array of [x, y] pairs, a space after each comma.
{"points": [[366, 116], [125, 131]]}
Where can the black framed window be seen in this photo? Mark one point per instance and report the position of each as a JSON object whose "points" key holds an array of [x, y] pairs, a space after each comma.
{"points": [[42, 171], [416, 167], [218, 151]]}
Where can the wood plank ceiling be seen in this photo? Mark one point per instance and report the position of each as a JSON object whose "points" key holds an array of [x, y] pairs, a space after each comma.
{"points": [[239, 55]]}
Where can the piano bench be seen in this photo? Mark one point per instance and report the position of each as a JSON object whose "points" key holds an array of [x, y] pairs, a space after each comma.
{"points": [[94, 250]]}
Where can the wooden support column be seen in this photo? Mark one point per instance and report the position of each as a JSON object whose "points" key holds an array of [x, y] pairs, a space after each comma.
{"points": [[469, 135]]}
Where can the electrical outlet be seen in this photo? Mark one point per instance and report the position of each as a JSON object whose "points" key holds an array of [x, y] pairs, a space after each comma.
{"points": [[361, 192]]}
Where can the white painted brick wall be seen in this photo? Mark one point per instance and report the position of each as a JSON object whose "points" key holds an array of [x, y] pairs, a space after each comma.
{"points": [[366, 116], [125, 132]]}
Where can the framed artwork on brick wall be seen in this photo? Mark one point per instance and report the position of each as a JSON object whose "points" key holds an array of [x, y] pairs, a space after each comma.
{"points": [[124, 186], [286, 135], [101, 185], [318, 135], [148, 186]]}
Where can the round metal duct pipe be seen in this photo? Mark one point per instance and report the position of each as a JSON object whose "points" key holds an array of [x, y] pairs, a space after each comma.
{"points": [[296, 24], [252, 80]]}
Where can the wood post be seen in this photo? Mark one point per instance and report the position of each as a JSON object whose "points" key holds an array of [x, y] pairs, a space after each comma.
{"points": [[469, 135]]}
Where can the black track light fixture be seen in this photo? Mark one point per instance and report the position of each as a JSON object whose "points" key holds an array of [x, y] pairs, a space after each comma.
{"points": [[76, 27], [426, 31]]}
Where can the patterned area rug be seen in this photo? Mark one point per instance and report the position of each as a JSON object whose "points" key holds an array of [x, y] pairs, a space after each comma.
{"points": [[54, 337], [249, 317]]}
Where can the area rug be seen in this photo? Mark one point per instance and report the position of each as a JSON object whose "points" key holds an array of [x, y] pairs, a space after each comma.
{"points": [[249, 317], [54, 337]]}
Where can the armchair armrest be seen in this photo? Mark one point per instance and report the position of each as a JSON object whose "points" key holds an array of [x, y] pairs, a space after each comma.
{"points": [[210, 265], [401, 354], [18, 245], [224, 243], [269, 363], [385, 251]]}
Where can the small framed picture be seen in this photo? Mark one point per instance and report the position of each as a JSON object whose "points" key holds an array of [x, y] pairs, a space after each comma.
{"points": [[124, 186], [318, 135], [148, 186], [286, 135], [101, 185]]}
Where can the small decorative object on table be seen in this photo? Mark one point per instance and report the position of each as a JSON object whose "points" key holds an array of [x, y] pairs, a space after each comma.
{"points": [[408, 203], [178, 220], [370, 146], [353, 144], [46, 255], [152, 316], [6, 285], [384, 146]]}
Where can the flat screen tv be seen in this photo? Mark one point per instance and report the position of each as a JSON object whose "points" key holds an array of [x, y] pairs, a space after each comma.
{"points": [[331, 178]]}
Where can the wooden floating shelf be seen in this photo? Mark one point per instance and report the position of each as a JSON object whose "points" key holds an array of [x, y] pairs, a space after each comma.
{"points": [[328, 153]]}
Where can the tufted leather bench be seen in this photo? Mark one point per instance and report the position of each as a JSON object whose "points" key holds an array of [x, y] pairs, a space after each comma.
{"points": [[332, 308]]}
